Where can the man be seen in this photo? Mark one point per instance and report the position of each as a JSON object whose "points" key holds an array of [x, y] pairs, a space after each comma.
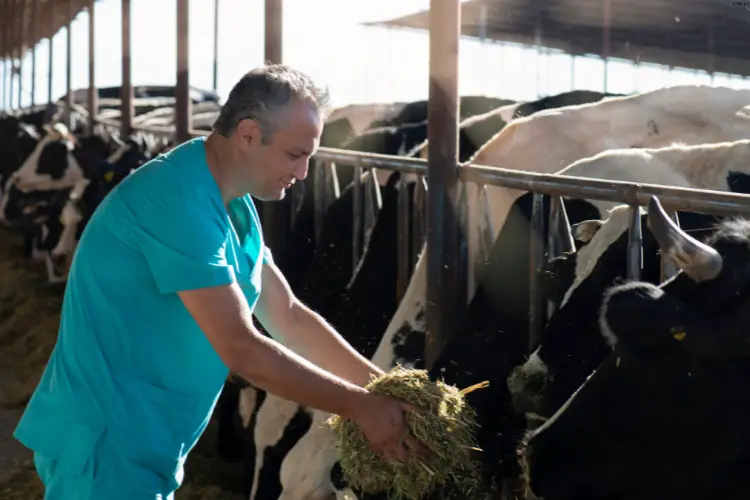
{"points": [[158, 305]]}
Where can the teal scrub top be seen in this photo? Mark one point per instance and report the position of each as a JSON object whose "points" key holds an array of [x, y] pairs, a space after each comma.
{"points": [[130, 362]]}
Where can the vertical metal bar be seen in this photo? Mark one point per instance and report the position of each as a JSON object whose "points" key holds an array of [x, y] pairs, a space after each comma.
{"points": [[93, 93], [402, 240], [21, 46], [12, 50], [443, 296], [69, 68], [606, 39], [635, 244], [537, 251], [276, 215], [538, 40], [419, 207], [183, 103], [126, 90], [559, 238], [34, 36], [3, 51], [216, 45], [357, 213], [50, 59], [274, 47], [711, 47]]}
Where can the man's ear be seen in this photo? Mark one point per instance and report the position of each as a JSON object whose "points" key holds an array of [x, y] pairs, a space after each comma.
{"points": [[248, 130]]}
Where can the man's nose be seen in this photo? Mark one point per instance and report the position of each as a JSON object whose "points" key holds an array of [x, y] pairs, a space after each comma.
{"points": [[300, 171]]}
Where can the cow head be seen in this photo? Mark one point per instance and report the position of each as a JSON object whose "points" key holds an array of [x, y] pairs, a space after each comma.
{"points": [[665, 415], [570, 346]]}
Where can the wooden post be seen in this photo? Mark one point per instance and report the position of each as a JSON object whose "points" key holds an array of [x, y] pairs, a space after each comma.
{"points": [[216, 45], [93, 101], [276, 216], [69, 68], [443, 279], [51, 7], [34, 32], [183, 103], [126, 91]]}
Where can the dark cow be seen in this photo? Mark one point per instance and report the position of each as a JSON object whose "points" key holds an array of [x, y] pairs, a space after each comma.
{"points": [[416, 112], [665, 415], [360, 310], [570, 346], [572, 98]]}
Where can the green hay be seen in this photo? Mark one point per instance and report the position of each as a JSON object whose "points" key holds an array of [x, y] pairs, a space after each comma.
{"points": [[447, 429]]}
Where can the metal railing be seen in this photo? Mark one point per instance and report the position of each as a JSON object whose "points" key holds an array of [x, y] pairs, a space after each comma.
{"points": [[541, 185]]}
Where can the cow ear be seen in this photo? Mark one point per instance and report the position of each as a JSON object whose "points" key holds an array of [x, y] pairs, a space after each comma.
{"points": [[586, 230], [637, 316]]}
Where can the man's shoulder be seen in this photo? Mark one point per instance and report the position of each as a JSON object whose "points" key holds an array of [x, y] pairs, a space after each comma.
{"points": [[177, 179]]}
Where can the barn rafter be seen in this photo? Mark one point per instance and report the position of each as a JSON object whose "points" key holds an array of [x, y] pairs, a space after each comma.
{"points": [[19, 31], [708, 35]]}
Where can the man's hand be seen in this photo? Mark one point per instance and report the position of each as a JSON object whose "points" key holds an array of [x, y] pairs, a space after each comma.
{"points": [[382, 420]]}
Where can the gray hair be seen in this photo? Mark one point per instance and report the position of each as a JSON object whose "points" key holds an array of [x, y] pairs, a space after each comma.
{"points": [[265, 93]]}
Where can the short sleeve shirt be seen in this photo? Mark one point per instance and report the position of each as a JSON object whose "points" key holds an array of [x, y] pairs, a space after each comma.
{"points": [[129, 359]]}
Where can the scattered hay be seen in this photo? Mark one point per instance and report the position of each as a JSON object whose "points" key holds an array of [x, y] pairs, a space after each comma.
{"points": [[447, 429], [21, 483]]}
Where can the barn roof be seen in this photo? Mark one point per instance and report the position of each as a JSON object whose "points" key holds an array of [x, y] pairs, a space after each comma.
{"points": [[695, 34], [16, 21]]}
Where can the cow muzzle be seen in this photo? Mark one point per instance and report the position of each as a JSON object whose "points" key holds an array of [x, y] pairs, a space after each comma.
{"points": [[699, 261]]}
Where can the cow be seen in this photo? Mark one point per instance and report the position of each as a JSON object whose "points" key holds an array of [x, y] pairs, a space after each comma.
{"points": [[416, 112], [50, 166], [370, 295], [405, 334], [572, 98], [570, 346], [665, 414]]}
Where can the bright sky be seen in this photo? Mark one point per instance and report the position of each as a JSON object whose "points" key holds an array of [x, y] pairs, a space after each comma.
{"points": [[325, 39]]}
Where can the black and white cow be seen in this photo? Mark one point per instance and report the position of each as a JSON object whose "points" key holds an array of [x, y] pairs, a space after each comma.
{"points": [[360, 310], [570, 346], [570, 133], [665, 415]]}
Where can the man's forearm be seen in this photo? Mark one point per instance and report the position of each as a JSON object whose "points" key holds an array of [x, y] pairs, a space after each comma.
{"points": [[316, 340], [276, 369]]}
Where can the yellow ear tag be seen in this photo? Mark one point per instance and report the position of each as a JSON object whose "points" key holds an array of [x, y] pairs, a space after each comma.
{"points": [[679, 335], [109, 175]]}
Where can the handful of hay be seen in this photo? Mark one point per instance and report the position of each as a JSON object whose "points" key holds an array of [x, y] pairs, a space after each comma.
{"points": [[446, 428]]}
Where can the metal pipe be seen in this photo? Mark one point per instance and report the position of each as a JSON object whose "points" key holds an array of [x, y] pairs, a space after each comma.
{"points": [[635, 244], [69, 68], [50, 59], [688, 199], [93, 93], [126, 90], [34, 34], [537, 251], [21, 51], [443, 295], [183, 105], [12, 51], [216, 45]]}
